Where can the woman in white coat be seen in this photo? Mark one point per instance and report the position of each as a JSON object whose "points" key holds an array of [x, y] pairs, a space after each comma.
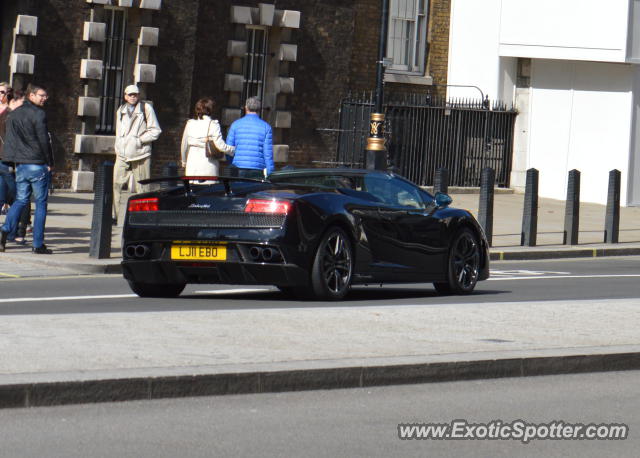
{"points": [[196, 132]]}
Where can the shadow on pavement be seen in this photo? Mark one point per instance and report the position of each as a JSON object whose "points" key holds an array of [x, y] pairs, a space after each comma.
{"points": [[59, 199]]}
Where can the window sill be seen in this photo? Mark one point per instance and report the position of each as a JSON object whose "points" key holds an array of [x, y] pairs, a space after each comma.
{"points": [[407, 79]]}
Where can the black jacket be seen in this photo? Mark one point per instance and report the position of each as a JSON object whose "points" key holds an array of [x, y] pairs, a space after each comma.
{"points": [[27, 136]]}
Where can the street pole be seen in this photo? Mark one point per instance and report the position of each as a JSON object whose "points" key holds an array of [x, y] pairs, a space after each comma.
{"points": [[376, 157]]}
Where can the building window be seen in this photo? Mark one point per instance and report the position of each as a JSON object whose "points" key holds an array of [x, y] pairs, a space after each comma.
{"points": [[255, 63], [112, 84], [407, 35]]}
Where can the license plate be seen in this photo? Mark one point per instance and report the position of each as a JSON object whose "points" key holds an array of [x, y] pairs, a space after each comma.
{"points": [[199, 252]]}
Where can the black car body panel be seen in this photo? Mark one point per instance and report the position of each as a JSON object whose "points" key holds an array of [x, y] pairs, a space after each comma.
{"points": [[398, 234]]}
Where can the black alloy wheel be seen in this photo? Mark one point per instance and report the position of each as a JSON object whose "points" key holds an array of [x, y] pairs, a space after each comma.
{"points": [[463, 264], [156, 290], [332, 266]]}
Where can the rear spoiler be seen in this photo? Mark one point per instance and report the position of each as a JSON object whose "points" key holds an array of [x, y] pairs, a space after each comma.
{"points": [[187, 181]]}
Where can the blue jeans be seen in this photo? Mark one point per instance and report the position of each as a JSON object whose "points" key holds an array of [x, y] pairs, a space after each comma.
{"points": [[30, 178], [7, 185]]}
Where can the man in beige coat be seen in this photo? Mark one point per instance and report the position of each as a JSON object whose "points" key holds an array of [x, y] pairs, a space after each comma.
{"points": [[136, 127]]}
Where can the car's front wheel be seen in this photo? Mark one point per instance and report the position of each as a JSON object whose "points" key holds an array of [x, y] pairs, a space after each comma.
{"points": [[156, 290], [463, 264], [332, 266]]}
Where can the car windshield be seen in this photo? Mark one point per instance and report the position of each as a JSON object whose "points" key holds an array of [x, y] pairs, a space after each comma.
{"points": [[393, 191], [379, 187], [330, 181], [238, 187]]}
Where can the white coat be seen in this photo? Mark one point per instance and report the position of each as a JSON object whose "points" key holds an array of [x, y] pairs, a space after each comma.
{"points": [[192, 151], [133, 135]]}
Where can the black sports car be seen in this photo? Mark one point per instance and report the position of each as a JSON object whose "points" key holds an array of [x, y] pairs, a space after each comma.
{"points": [[311, 233]]}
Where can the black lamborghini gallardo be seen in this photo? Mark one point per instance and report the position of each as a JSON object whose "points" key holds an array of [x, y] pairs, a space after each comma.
{"points": [[311, 233]]}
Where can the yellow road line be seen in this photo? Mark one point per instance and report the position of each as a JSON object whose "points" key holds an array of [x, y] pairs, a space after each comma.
{"points": [[9, 275], [61, 277]]}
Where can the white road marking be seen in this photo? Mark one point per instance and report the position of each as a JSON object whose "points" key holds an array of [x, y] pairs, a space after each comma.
{"points": [[121, 296], [545, 277], [66, 298], [525, 273], [255, 290], [234, 291]]}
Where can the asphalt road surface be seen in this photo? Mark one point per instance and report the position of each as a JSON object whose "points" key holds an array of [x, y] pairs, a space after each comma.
{"points": [[511, 281], [353, 423]]}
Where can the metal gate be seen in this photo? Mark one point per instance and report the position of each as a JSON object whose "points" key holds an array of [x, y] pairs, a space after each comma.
{"points": [[424, 134]]}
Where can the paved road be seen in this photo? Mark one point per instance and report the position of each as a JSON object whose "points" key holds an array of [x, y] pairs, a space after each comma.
{"points": [[356, 422], [61, 292]]}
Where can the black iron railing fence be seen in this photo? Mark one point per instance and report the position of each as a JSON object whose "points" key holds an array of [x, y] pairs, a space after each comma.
{"points": [[424, 133]]}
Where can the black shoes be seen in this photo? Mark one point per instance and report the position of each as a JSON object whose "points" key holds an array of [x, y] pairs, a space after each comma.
{"points": [[42, 250]]}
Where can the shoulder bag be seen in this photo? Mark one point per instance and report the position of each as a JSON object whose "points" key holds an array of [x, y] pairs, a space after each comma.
{"points": [[210, 148]]}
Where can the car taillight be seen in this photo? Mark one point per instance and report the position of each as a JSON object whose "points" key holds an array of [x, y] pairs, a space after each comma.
{"points": [[279, 207], [143, 205]]}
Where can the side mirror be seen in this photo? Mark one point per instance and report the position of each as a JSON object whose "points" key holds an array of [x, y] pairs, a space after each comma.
{"points": [[443, 200]]}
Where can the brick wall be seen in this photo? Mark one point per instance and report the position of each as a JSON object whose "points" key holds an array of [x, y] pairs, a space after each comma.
{"points": [[438, 60], [59, 72], [175, 58], [322, 77], [337, 53]]}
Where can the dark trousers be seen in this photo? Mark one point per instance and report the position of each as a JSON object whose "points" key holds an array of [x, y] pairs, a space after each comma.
{"points": [[251, 173]]}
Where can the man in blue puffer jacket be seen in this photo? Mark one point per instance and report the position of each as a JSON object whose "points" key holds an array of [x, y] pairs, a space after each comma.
{"points": [[253, 140]]}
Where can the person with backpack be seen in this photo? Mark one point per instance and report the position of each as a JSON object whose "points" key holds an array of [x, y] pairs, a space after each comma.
{"points": [[136, 128]]}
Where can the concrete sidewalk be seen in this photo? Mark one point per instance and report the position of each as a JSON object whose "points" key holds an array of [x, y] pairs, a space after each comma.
{"points": [[69, 229], [96, 357], [88, 357]]}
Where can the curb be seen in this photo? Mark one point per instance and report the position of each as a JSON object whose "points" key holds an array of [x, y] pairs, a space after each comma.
{"points": [[159, 387], [111, 267], [470, 190], [505, 255]]}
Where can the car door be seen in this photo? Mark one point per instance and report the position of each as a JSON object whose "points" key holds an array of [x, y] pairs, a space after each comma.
{"points": [[408, 237]]}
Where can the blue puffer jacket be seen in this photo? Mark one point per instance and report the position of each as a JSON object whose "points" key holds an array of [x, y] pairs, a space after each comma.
{"points": [[253, 140]]}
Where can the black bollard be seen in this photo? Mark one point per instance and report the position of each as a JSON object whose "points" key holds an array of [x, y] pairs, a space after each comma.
{"points": [[100, 246], [612, 217], [529, 234], [170, 169], [485, 207], [572, 209], [441, 181]]}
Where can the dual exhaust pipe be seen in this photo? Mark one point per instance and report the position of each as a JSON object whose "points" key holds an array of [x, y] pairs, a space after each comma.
{"points": [[137, 251], [256, 253], [264, 254]]}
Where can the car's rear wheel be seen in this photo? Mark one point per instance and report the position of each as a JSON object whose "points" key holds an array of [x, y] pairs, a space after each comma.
{"points": [[332, 266], [463, 264], [156, 290]]}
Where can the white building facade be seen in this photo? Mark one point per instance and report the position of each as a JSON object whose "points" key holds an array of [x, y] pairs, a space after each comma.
{"points": [[572, 68]]}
